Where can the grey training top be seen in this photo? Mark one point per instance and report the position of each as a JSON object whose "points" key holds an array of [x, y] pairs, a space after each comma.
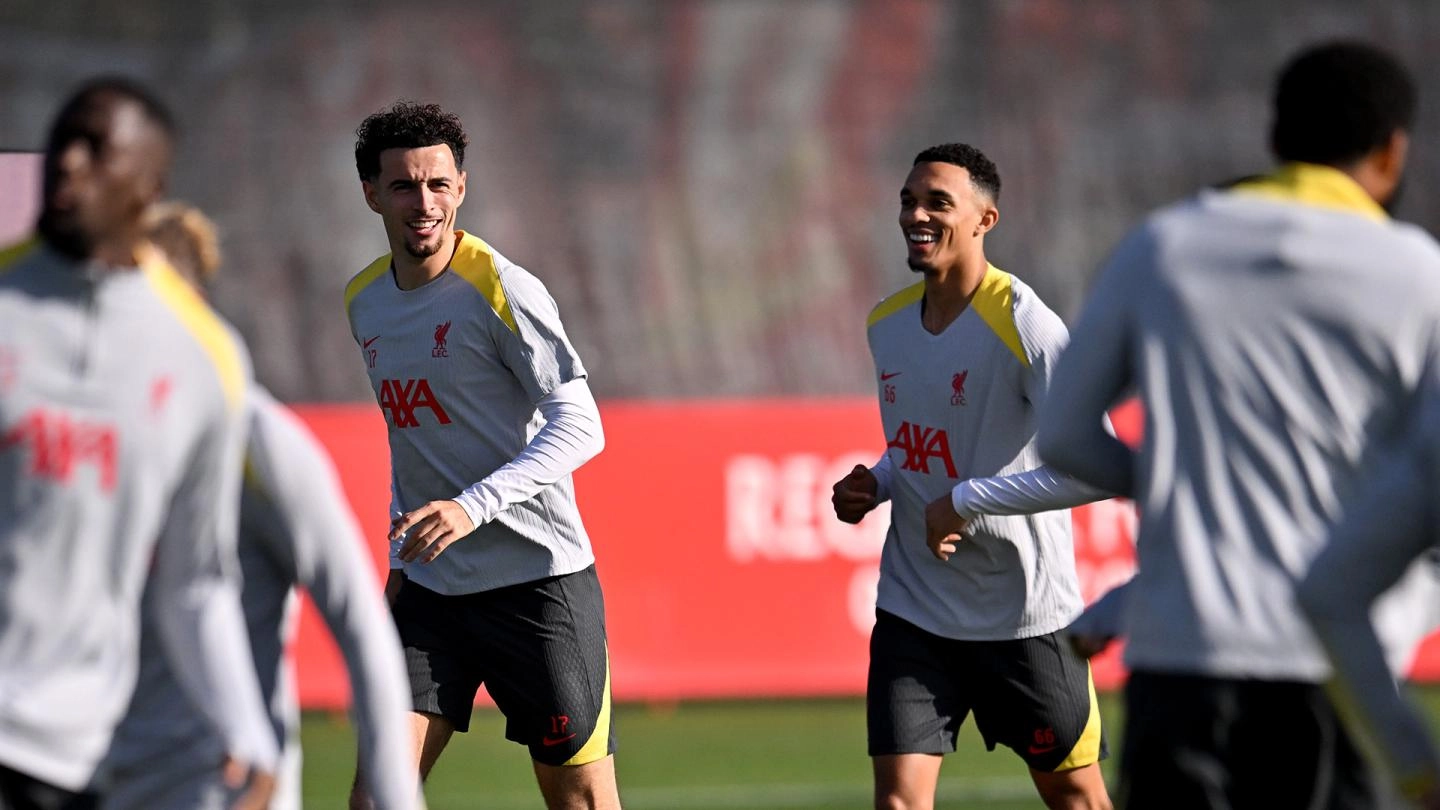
{"points": [[459, 366], [121, 428], [296, 529], [1276, 331]]}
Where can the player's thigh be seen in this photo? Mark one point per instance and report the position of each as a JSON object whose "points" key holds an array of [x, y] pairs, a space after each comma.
{"points": [[444, 670], [548, 667], [591, 785], [1178, 734], [1036, 697], [1289, 741], [915, 693]]}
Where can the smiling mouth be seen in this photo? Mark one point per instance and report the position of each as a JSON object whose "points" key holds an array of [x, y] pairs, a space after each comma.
{"points": [[920, 238], [424, 227]]}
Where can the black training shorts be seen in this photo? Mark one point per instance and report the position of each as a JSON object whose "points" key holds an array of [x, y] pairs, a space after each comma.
{"points": [[1034, 695], [539, 649]]}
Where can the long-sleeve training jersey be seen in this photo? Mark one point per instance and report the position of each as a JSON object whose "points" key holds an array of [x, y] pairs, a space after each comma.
{"points": [[121, 429], [1356, 575], [958, 410], [296, 529], [1277, 331], [486, 404]]}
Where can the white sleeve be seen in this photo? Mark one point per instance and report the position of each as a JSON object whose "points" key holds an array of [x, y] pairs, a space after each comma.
{"points": [[1038, 490], [571, 436], [884, 472], [1095, 370], [1356, 566], [196, 605], [319, 539]]}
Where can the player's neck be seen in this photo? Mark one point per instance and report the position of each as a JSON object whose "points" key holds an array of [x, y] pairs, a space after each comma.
{"points": [[948, 292], [412, 272]]}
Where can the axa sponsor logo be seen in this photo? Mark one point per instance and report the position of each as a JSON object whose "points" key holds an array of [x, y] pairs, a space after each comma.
{"points": [[401, 399], [59, 445], [922, 445], [442, 333]]}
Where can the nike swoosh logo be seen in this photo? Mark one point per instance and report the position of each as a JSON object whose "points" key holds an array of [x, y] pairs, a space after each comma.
{"points": [[548, 740], [885, 376], [1042, 749], [367, 343]]}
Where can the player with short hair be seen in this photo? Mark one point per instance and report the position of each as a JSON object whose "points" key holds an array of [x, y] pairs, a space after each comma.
{"points": [[296, 529], [978, 569], [489, 413], [120, 438], [1277, 330]]}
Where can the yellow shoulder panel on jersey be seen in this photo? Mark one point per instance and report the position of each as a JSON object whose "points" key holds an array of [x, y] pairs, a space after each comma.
{"points": [[11, 255], [995, 303], [364, 279], [474, 261], [1320, 186], [895, 303], [203, 324]]}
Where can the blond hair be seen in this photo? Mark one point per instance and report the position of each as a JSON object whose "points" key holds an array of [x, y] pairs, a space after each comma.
{"points": [[186, 237]]}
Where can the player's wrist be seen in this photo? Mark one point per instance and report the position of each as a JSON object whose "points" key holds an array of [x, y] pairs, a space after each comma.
{"points": [[960, 497]]}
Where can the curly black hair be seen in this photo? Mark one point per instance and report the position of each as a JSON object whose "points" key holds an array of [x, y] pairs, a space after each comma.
{"points": [[406, 125], [983, 173], [1339, 101]]}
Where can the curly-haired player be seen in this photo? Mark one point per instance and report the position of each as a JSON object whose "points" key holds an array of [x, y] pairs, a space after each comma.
{"points": [[492, 576]]}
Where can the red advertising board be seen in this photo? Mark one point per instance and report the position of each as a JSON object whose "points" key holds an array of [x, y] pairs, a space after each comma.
{"points": [[725, 572]]}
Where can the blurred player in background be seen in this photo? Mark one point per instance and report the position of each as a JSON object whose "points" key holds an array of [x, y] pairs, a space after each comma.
{"points": [[978, 569], [296, 529], [1276, 330], [121, 428], [489, 414]]}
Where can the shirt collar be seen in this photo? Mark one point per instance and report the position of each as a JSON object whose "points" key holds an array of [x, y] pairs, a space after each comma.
{"points": [[1313, 184]]}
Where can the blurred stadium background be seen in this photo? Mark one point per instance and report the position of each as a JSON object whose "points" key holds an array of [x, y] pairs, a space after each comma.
{"points": [[708, 188]]}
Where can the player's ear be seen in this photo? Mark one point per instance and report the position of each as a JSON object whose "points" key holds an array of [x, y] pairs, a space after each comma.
{"points": [[460, 188], [989, 217], [371, 198]]}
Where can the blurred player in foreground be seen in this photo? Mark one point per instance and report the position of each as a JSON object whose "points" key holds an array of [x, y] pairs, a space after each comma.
{"points": [[121, 428], [978, 570], [1276, 331], [1390, 524], [489, 414], [296, 529]]}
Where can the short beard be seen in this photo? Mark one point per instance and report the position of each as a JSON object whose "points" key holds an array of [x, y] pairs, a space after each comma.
{"points": [[423, 251]]}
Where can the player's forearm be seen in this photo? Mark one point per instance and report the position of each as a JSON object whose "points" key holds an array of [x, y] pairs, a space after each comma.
{"points": [[354, 613], [1089, 455], [1039, 490], [203, 632], [1106, 617], [571, 436]]}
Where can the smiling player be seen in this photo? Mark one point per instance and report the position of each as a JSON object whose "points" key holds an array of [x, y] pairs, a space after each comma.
{"points": [[978, 570], [492, 575]]}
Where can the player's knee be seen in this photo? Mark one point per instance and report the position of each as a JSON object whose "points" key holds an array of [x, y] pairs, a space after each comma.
{"points": [[1074, 794], [897, 800]]}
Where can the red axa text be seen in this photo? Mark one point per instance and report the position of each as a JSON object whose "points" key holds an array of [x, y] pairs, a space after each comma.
{"points": [[921, 444], [401, 399], [59, 444]]}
